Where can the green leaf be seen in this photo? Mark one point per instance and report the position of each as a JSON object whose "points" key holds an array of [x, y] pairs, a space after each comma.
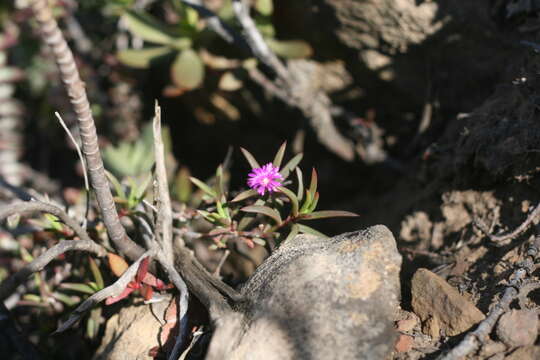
{"points": [[307, 203], [83, 288], [143, 58], [68, 300], [292, 197], [309, 230], [293, 163], [299, 176], [259, 241], [229, 82], [329, 214], [313, 204], [294, 231], [182, 185], [147, 27], [203, 187], [116, 184], [251, 160], [187, 71], [244, 195], [265, 210], [53, 222], [265, 7], [96, 273], [290, 49], [279, 155], [313, 183]]}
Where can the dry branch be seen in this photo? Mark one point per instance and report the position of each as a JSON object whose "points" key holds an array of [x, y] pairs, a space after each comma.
{"points": [[501, 240], [38, 206], [111, 290], [75, 87], [10, 284]]}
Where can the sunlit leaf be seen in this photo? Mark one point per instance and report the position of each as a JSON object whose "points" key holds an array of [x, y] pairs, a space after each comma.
{"points": [[229, 82], [96, 273], [300, 178], [143, 58], [291, 165], [313, 183], [244, 195], [117, 264], [265, 7], [329, 214], [279, 155], [309, 230], [83, 288], [251, 160], [294, 231], [292, 197], [203, 187], [290, 49], [187, 70], [314, 203], [265, 210], [147, 27], [118, 188]]}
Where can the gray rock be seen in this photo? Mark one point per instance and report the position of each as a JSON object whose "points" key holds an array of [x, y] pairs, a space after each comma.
{"points": [[317, 298]]}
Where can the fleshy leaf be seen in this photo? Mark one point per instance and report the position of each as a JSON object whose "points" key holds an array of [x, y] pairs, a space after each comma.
{"points": [[147, 27], [313, 183], [329, 214], [251, 160], [292, 198], [293, 163], [117, 264], [113, 299], [290, 49], [187, 70], [279, 155], [96, 273], [203, 187], [314, 203], [142, 58], [182, 185], [265, 210], [299, 176], [294, 231], [265, 7], [244, 195], [309, 230], [84, 288], [143, 269]]}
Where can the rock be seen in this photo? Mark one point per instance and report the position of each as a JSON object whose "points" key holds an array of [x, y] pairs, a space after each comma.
{"points": [[440, 306], [525, 353], [518, 327], [317, 298], [404, 343], [132, 332]]}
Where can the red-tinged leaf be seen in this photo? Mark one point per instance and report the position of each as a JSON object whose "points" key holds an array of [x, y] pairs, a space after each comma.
{"points": [[279, 155], [244, 195], [143, 269], [251, 160], [113, 299], [117, 264], [265, 210], [328, 214], [147, 292], [313, 183], [170, 329]]}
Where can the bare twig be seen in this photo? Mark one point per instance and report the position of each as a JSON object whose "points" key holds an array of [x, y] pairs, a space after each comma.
{"points": [[214, 22], [77, 94], [37, 206], [10, 284], [515, 287], [224, 257], [111, 290], [501, 240], [164, 216], [473, 340]]}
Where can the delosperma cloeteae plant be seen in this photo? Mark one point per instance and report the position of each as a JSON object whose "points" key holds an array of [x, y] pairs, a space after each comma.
{"points": [[256, 215]]}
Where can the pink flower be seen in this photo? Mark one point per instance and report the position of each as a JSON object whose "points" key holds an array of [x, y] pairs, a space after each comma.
{"points": [[264, 178]]}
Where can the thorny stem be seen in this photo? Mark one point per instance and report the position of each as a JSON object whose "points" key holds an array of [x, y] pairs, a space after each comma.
{"points": [[75, 87]]}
